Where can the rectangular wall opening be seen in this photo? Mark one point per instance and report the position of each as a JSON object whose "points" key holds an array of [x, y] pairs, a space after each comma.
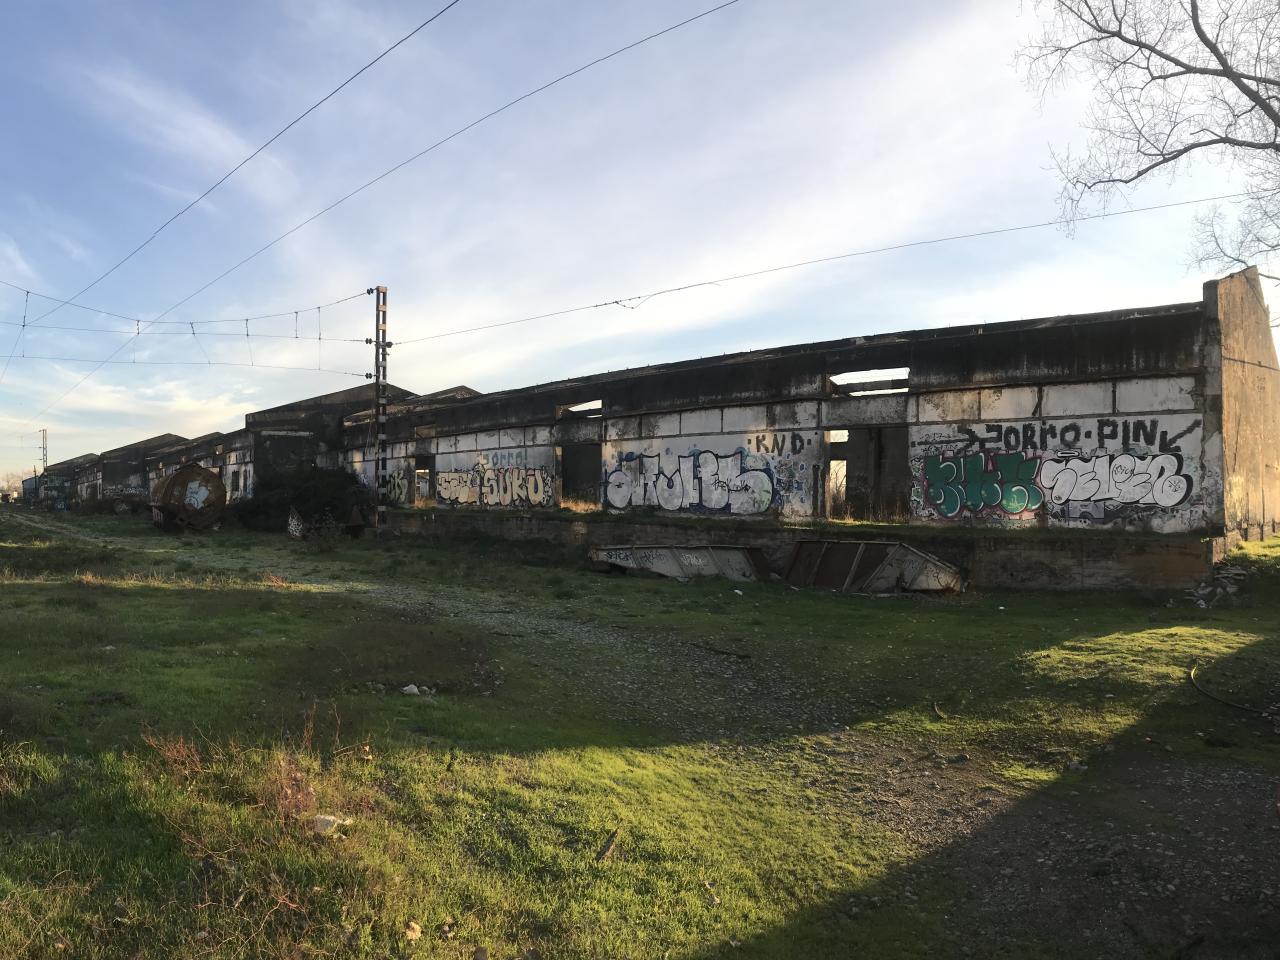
{"points": [[868, 476], [868, 383], [580, 477], [581, 411], [424, 473]]}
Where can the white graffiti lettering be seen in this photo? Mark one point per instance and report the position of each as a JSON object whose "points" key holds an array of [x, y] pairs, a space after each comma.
{"points": [[496, 487], [397, 487], [1123, 478], [703, 481]]}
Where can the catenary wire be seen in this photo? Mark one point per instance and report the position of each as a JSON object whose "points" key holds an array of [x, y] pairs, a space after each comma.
{"points": [[404, 163], [110, 358], [176, 323], [193, 363], [439, 143], [26, 302], [644, 297], [230, 173], [186, 333]]}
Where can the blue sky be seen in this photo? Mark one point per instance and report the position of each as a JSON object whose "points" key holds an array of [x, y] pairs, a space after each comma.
{"points": [[768, 133]]}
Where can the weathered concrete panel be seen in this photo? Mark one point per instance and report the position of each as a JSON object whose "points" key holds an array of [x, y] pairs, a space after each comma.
{"points": [[660, 425], [948, 406], [801, 415], [512, 437], [622, 428], [1155, 393], [579, 431], [861, 411], [744, 419], [701, 421], [769, 472], [1076, 399], [488, 440], [537, 435], [1141, 473], [466, 441], [1010, 403]]}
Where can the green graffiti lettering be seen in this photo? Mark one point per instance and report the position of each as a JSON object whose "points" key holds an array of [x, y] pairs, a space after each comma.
{"points": [[979, 481]]}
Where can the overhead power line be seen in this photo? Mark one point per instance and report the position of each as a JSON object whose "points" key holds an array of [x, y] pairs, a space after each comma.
{"points": [[403, 163], [640, 298], [440, 143], [232, 172], [186, 333], [195, 363], [176, 323], [110, 358], [26, 302]]}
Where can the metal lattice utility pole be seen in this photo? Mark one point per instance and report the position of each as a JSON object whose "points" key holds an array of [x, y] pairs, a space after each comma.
{"points": [[44, 449], [380, 346]]}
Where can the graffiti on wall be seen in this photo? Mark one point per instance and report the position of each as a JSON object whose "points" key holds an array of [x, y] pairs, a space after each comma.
{"points": [[1015, 483], [397, 486], [764, 471], [1147, 433], [979, 481], [488, 486], [1124, 478], [704, 480], [1086, 471]]}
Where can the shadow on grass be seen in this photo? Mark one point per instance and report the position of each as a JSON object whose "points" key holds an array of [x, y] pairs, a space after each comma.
{"points": [[1162, 843]]}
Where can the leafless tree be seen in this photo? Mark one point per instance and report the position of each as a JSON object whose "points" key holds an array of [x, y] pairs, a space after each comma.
{"points": [[12, 481], [1172, 80]]}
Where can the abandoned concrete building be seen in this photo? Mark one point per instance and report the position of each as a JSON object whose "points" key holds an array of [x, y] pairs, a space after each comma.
{"points": [[1163, 422]]}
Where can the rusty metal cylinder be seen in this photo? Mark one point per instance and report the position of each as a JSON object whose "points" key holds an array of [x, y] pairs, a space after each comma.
{"points": [[191, 498]]}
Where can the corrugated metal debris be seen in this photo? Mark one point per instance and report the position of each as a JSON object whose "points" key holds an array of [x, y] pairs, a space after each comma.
{"points": [[742, 564], [869, 566]]}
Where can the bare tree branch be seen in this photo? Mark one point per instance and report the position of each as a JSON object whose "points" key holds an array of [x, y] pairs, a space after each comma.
{"points": [[1172, 80]]}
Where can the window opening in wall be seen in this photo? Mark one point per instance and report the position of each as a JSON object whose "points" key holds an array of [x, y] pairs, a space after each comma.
{"points": [[235, 482], [866, 383], [588, 408]]}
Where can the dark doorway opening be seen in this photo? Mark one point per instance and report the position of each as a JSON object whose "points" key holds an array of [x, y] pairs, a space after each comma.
{"points": [[580, 473], [877, 477]]}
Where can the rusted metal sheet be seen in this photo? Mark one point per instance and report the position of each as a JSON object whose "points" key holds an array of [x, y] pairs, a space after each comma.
{"points": [[869, 566], [189, 498], [680, 562]]}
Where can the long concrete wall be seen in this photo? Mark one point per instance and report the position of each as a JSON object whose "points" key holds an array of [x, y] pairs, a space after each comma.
{"points": [[1132, 453]]}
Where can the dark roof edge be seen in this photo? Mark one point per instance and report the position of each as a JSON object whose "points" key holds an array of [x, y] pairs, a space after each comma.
{"points": [[872, 341]]}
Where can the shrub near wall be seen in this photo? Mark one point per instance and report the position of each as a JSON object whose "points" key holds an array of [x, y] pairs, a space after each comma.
{"points": [[317, 494]]}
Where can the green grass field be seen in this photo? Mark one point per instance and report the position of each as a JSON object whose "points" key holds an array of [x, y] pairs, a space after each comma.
{"points": [[609, 766]]}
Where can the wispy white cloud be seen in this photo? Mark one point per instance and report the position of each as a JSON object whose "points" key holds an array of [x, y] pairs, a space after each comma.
{"points": [[14, 263], [165, 118]]}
